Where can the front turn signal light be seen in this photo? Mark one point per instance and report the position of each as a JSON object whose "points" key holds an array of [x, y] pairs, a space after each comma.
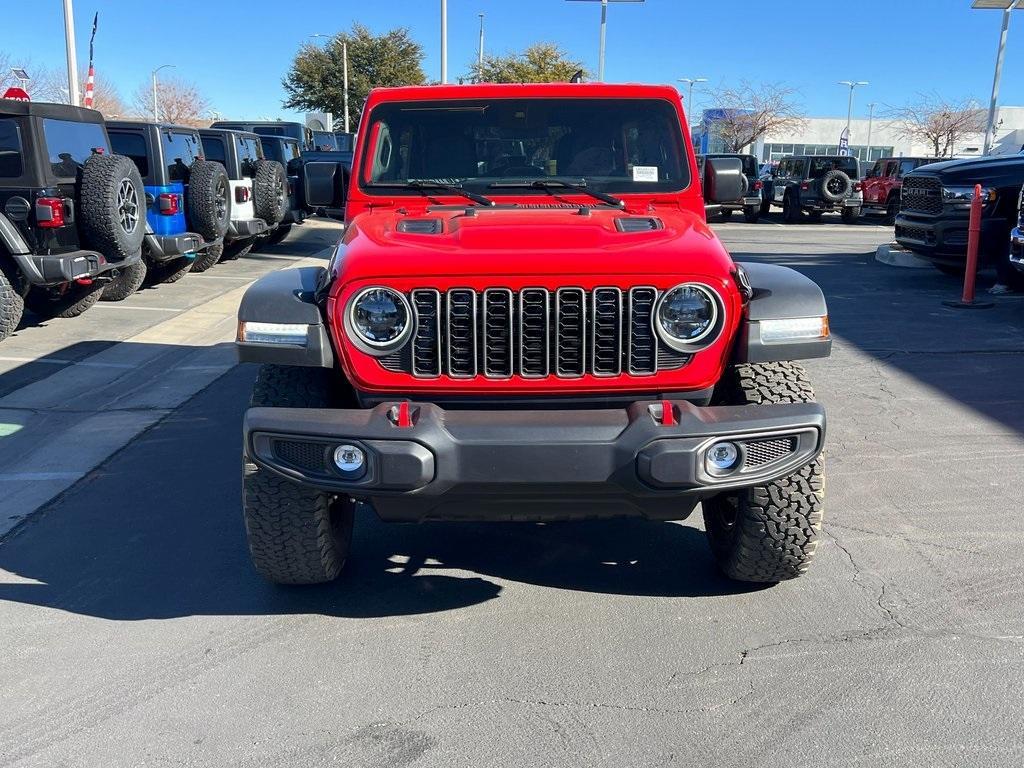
{"points": [[292, 334], [794, 329]]}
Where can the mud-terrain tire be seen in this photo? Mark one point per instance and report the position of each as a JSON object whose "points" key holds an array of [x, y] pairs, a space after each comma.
{"points": [[12, 305], [279, 234], [767, 533], [296, 535], [751, 213], [725, 214], [836, 186], [790, 210], [128, 281], [208, 258], [270, 191], [112, 211], [72, 302], [850, 214], [209, 199], [168, 272], [892, 207], [237, 249]]}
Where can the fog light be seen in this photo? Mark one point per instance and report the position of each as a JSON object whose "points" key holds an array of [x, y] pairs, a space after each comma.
{"points": [[349, 459], [722, 457]]}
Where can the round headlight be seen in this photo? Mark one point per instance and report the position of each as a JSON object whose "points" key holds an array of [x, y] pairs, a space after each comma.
{"points": [[686, 315], [380, 317]]}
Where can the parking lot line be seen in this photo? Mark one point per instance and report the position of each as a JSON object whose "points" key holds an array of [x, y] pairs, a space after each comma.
{"points": [[109, 305]]}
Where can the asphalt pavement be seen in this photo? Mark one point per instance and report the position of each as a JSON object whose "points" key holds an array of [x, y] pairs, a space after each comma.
{"points": [[134, 632]]}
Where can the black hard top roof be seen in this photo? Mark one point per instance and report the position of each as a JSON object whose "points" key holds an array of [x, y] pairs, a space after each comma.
{"points": [[227, 123], [48, 109], [148, 123], [229, 131]]}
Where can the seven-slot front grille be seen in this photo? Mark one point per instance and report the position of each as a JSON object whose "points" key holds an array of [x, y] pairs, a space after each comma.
{"points": [[921, 194], [535, 332]]}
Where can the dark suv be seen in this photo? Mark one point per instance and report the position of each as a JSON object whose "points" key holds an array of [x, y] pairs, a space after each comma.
{"points": [[815, 184], [71, 213], [186, 196], [935, 205], [286, 151], [750, 200]]}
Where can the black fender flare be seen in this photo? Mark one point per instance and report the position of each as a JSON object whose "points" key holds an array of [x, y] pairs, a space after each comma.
{"points": [[777, 293], [288, 296]]}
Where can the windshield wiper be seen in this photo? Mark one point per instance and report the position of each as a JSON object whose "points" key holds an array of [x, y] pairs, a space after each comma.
{"points": [[425, 185], [549, 184]]}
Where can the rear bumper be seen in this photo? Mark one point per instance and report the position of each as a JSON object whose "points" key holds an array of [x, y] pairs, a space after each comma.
{"points": [[824, 205], [743, 202], [1017, 248], [501, 465], [242, 228], [65, 267], [943, 239], [166, 247]]}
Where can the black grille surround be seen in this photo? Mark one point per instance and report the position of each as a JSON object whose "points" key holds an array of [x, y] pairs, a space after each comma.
{"points": [[921, 194], [532, 333]]}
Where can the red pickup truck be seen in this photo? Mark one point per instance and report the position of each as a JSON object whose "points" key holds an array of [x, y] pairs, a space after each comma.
{"points": [[528, 318], [881, 186]]}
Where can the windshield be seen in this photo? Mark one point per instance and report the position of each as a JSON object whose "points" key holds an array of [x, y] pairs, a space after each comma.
{"points": [[325, 141], [615, 145], [822, 165], [69, 144]]}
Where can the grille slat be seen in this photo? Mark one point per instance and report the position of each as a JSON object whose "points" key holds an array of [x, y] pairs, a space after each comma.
{"points": [[921, 194], [534, 333]]}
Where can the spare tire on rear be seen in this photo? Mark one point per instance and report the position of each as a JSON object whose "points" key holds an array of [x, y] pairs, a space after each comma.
{"points": [[209, 200], [270, 191], [836, 186], [113, 207]]}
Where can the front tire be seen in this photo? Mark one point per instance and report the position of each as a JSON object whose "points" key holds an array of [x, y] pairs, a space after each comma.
{"points": [[850, 214], [767, 533], [892, 208], [790, 210], [725, 214], [126, 283], [752, 213], [296, 535]]}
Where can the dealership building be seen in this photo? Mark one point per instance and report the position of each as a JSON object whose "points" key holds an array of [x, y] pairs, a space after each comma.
{"points": [[869, 139]]}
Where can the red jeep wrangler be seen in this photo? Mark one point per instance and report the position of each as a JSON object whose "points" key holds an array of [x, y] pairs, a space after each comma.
{"points": [[528, 318], [881, 186]]}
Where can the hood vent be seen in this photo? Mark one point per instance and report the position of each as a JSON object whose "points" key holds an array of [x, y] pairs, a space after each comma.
{"points": [[420, 226], [638, 224]]}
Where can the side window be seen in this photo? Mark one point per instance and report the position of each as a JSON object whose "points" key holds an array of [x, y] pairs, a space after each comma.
{"points": [[180, 151], [69, 144], [132, 146], [797, 169], [384, 155], [10, 150], [248, 154], [876, 170], [213, 148], [906, 166]]}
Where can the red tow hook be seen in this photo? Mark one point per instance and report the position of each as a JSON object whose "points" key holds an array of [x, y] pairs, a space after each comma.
{"points": [[83, 280], [668, 414], [400, 415]]}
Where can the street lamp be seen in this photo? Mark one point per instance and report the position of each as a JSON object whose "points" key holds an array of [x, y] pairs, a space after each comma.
{"points": [[871, 118], [690, 81], [1005, 6], [156, 110], [480, 51], [444, 41], [849, 107], [69, 45], [604, 26]]}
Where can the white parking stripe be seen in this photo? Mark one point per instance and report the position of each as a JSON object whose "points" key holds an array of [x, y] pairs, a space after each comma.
{"points": [[109, 305]]}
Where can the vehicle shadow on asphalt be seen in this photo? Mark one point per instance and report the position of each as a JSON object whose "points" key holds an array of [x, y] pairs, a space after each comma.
{"points": [[156, 533]]}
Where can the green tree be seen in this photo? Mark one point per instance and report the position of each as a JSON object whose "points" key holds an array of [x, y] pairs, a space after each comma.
{"points": [[540, 63], [315, 80]]}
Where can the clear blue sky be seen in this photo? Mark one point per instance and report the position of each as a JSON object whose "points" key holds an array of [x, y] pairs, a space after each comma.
{"points": [[238, 57]]}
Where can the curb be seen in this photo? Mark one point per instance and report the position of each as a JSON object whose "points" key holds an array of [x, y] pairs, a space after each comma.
{"points": [[894, 256]]}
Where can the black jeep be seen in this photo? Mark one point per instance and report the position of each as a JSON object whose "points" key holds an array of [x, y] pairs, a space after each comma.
{"points": [[259, 192], [286, 151], [187, 203], [815, 184], [71, 213], [749, 200]]}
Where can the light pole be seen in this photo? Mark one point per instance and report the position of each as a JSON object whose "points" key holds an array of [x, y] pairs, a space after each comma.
{"points": [[849, 106], [156, 108], [444, 41], [480, 51], [604, 26], [69, 44], [1005, 6], [691, 81], [871, 119]]}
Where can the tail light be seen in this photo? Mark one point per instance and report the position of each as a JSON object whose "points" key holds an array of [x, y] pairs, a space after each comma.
{"points": [[805, 185], [242, 194], [856, 186], [758, 185], [50, 212], [169, 204]]}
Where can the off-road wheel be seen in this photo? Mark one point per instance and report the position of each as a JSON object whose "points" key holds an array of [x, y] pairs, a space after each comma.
{"points": [[209, 199], [850, 214], [68, 300], [128, 281], [168, 271], [237, 249], [751, 213], [208, 258], [836, 186], [296, 535], [767, 533], [892, 207], [12, 305], [790, 210], [725, 214], [113, 207], [270, 191]]}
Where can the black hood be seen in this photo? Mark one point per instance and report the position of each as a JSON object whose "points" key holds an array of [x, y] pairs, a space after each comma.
{"points": [[993, 171]]}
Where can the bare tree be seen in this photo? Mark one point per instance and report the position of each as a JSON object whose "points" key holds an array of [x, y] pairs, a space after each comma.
{"points": [[938, 122], [179, 102], [750, 111], [45, 84], [106, 96]]}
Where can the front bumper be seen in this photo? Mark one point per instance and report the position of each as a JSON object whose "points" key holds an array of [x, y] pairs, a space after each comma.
{"points": [[1017, 248], [512, 464], [56, 269], [166, 247], [943, 238], [242, 228]]}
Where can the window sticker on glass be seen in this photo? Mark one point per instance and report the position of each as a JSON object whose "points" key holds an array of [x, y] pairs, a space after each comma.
{"points": [[645, 173]]}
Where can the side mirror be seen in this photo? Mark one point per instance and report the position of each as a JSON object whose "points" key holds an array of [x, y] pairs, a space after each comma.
{"points": [[723, 179], [325, 184]]}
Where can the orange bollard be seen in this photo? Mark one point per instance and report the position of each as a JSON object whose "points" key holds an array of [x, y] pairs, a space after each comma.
{"points": [[971, 271]]}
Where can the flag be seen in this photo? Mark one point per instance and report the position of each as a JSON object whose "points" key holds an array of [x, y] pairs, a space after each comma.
{"points": [[91, 78]]}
